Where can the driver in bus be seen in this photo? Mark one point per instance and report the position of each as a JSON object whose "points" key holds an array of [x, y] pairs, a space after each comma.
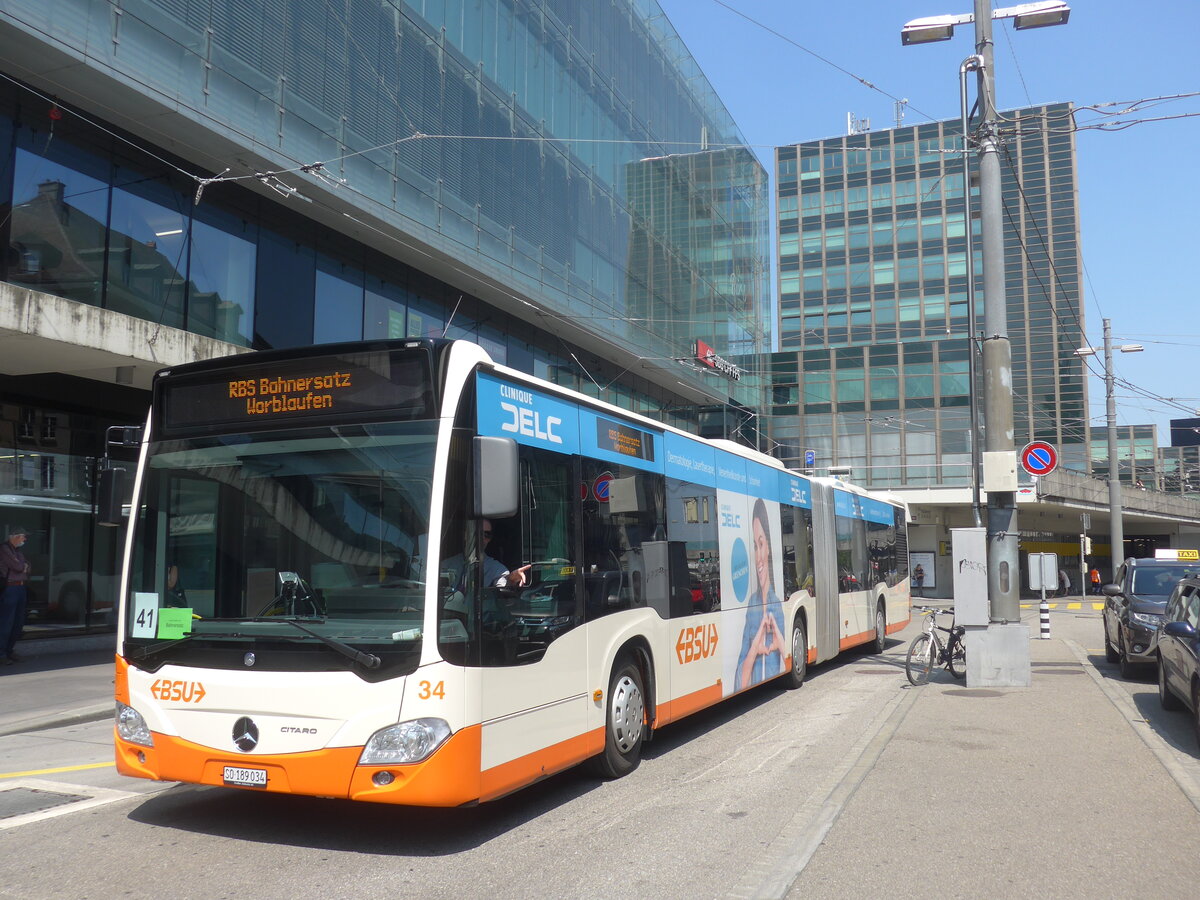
{"points": [[495, 573]]}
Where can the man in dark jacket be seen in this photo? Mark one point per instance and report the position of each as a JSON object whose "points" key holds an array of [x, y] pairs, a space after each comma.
{"points": [[14, 572]]}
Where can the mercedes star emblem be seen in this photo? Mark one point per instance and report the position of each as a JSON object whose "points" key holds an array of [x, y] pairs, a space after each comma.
{"points": [[248, 659], [245, 734]]}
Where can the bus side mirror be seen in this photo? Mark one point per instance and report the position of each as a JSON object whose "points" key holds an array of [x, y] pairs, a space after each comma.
{"points": [[110, 496], [497, 476]]}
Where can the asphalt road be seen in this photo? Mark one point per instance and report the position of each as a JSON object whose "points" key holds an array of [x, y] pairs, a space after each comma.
{"points": [[697, 819]]}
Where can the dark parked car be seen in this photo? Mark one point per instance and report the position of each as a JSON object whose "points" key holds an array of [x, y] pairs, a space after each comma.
{"points": [[1179, 651], [1133, 609]]}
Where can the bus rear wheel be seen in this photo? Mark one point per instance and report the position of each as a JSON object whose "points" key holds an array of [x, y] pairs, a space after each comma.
{"points": [[880, 644], [795, 676], [624, 721]]}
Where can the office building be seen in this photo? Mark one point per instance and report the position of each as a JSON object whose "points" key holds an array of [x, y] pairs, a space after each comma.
{"points": [[1137, 454], [872, 371], [190, 178]]}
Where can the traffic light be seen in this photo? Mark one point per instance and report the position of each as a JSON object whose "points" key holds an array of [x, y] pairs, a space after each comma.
{"points": [[1087, 545]]}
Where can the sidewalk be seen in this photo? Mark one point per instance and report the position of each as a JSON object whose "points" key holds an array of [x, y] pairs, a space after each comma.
{"points": [[60, 681], [1059, 790]]}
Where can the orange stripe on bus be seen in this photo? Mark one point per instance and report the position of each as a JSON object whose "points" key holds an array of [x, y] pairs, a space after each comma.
{"points": [[450, 777], [507, 777], [322, 773], [676, 709], [899, 626], [855, 639], [122, 681]]}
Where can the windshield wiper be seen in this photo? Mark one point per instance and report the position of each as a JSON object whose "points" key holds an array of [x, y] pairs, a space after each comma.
{"points": [[370, 660], [143, 652]]}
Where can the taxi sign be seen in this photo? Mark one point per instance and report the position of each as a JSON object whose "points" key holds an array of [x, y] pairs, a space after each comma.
{"points": [[1039, 458], [1177, 554]]}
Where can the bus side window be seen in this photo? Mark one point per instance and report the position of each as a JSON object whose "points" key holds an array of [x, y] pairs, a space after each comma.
{"points": [[692, 521], [626, 551]]}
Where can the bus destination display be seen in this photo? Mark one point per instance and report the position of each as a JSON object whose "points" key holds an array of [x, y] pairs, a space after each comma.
{"points": [[271, 396], [618, 438], [256, 396]]}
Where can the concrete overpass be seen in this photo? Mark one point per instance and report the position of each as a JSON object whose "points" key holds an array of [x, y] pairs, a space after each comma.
{"points": [[1050, 514]]}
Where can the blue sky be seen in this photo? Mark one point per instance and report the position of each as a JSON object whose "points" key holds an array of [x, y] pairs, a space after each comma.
{"points": [[1139, 188]]}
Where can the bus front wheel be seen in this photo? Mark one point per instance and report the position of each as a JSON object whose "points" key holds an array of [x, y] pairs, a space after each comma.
{"points": [[624, 721]]}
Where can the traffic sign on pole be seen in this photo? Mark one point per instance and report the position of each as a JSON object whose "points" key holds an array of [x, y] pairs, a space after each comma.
{"points": [[1039, 458]]}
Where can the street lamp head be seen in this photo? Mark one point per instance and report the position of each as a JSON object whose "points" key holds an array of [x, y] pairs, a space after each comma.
{"points": [[1086, 351], [1028, 15], [928, 30], [1131, 348], [1040, 15]]}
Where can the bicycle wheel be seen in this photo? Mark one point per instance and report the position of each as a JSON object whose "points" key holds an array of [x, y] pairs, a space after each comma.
{"points": [[922, 653], [957, 663]]}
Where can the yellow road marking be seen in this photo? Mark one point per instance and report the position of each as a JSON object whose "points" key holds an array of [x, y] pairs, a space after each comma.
{"points": [[1096, 606], [102, 765]]}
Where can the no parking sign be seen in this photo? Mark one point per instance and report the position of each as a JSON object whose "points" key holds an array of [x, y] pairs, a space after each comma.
{"points": [[1039, 458]]}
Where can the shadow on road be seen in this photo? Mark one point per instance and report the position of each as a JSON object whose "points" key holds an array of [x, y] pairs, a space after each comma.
{"points": [[344, 825]]}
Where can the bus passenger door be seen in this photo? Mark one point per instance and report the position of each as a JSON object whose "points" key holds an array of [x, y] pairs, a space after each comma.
{"points": [[534, 690]]}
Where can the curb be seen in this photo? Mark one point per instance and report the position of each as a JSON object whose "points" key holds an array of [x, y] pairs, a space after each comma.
{"points": [[59, 719]]}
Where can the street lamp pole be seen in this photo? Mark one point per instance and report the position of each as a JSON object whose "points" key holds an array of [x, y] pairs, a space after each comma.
{"points": [[1003, 564], [1116, 528], [1003, 648], [970, 64]]}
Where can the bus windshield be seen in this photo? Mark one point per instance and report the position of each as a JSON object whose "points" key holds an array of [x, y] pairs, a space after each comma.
{"points": [[253, 533]]}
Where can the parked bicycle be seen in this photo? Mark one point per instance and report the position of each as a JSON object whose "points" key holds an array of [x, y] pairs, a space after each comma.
{"points": [[927, 651]]}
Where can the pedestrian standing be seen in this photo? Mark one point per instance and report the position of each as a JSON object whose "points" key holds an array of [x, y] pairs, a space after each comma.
{"points": [[14, 572], [1064, 582], [1094, 576]]}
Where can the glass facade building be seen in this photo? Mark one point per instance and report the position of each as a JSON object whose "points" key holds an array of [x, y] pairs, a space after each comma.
{"points": [[555, 180], [873, 330], [1137, 455], [1179, 469]]}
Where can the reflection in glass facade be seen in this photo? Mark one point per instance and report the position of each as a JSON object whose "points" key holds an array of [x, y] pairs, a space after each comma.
{"points": [[510, 171], [506, 137], [1179, 470], [1137, 456], [48, 451], [873, 270]]}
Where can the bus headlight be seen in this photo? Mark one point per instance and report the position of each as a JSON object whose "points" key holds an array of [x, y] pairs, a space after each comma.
{"points": [[407, 742], [132, 727]]}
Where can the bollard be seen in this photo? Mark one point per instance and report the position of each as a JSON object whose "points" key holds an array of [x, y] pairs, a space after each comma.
{"points": [[1045, 608]]}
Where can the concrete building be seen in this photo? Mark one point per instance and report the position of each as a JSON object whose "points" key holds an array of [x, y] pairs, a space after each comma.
{"points": [[194, 178]]}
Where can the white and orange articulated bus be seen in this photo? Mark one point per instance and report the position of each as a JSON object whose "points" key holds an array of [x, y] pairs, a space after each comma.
{"points": [[397, 572]]}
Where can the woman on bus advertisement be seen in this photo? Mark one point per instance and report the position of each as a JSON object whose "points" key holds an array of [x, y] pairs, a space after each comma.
{"points": [[762, 646]]}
